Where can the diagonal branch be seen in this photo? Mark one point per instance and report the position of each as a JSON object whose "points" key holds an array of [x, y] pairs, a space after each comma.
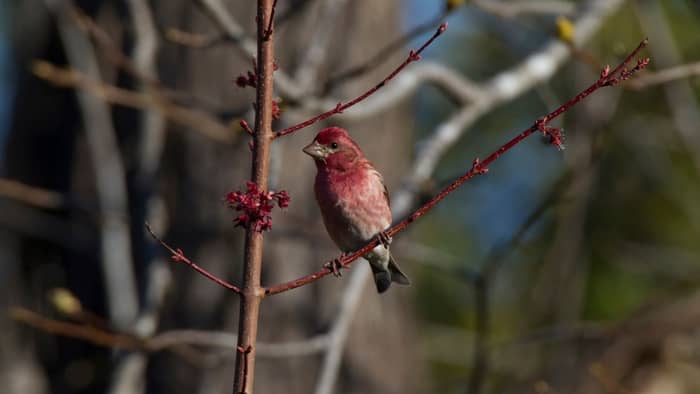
{"points": [[384, 53], [607, 78], [340, 107], [500, 89], [179, 256]]}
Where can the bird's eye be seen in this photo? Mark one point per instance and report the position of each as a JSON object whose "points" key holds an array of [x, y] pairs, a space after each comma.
{"points": [[334, 145]]}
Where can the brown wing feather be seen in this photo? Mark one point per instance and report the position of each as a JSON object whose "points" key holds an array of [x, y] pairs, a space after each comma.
{"points": [[381, 179]]}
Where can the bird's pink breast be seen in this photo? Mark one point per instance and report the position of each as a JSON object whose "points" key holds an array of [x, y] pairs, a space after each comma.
{"points": [[353, 205]]}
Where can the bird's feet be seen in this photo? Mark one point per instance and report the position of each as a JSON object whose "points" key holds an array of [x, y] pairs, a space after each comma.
{"points": [[384, 239], [335, 266]]}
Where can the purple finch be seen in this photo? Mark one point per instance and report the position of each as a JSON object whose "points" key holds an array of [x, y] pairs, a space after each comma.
{"points": [[354, 202]]}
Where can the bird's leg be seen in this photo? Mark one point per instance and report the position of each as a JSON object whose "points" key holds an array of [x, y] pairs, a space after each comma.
{"points": [[336, 265], [384, 239]]}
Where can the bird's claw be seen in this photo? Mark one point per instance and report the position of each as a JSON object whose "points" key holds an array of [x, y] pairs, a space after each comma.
{"points": [[384, 239], [335, 266]]}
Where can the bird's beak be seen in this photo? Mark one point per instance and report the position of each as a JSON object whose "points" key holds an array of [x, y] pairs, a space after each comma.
{"points": [[316, 150]]}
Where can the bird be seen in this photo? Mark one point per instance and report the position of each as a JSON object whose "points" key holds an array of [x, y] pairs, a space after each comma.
{"points": [[354, 202]]}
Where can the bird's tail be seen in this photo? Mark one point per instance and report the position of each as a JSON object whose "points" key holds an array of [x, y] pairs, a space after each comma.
{"points": [[383, 276]]}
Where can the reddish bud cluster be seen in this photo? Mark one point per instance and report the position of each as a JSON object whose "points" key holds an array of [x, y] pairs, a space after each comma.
{"points": [[478, 168], [250, 78], [554, 134], [625, 73], [247, 80], [178, 256], [276, 111], [256, 206]]}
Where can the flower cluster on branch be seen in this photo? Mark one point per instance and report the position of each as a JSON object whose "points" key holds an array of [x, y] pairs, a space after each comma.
{"points": [[256, 206]]}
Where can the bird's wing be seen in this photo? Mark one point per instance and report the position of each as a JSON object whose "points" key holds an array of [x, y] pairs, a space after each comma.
{"points": [[381, 180]]}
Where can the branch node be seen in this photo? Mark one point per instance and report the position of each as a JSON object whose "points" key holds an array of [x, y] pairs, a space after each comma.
{"points": [[478, 168], [334, 266], [244, 350], [245, 126], [179, 256], [268, 30], [554, 135]]}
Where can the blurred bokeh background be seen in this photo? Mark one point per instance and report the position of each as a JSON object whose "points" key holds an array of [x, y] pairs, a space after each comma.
{"points": [[571, 271]]}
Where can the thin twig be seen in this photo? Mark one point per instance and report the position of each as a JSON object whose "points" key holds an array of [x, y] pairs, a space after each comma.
{"points": [[340, 107], [458, 88], [384, 53], [179, 256]]}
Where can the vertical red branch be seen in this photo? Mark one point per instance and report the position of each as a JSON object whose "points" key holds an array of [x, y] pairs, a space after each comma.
{"points": [[252, 293]]}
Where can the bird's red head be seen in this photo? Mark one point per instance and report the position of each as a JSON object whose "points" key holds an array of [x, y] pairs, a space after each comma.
{"points": [[334, 149]]}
